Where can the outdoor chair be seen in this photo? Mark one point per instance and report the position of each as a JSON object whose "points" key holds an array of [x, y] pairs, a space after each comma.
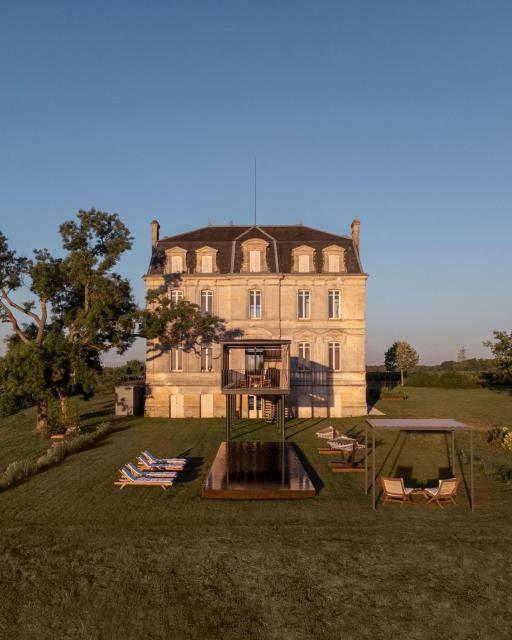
{"points": [[395, 490], [445, 492], [144, 465], [138, 473], [154, 460], [329, 433], [128, 479]]}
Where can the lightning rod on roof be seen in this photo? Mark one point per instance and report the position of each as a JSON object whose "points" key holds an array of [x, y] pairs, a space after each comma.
{"points": [[254, 190]]}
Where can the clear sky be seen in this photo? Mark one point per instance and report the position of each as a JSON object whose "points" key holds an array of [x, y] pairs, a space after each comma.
{"points": [[395, 112]]}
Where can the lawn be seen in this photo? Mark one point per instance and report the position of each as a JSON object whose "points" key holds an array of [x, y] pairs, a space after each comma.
{"points": [[81, 559]]}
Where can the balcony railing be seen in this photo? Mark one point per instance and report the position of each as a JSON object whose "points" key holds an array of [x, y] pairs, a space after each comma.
{"points": [[311, 377], [256, 380]]}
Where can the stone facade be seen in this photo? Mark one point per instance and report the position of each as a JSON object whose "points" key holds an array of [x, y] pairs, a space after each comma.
{"points": [[310, 289]]}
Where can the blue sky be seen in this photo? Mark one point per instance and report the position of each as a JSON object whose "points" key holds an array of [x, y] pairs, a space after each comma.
{"points": [[394, 112]]}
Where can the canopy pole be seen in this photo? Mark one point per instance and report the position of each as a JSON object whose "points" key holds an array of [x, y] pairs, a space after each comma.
{"points": [[453, 453], [471, 472], [373, 468], [366, 458]]}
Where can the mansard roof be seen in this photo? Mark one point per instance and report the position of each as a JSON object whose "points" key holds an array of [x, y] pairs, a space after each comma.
{"points": [[229, 239]]}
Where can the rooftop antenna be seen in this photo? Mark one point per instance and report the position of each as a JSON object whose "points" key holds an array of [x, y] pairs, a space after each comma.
{"points": [[254, 190]]}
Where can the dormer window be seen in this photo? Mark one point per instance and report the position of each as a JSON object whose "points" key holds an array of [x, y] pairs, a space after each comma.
{"points": [[176, 260], [303, 259], [206, 260], [254, 255], [334, 259]]}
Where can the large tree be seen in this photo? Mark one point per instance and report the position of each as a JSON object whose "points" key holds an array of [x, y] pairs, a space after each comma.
{"points": [[501, 349], [77, 308], [401, 356]]}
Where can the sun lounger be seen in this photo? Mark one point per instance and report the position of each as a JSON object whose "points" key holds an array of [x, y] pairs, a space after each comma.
{"points": [[128, 479], [395, 490], [445, 492], [329, 433], [154, 460], [138, 473], [340, 443], [144, 465]]}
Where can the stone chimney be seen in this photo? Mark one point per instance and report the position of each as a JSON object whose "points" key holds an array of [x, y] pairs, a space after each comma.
{"points": [[155, 232], [355, 233]]}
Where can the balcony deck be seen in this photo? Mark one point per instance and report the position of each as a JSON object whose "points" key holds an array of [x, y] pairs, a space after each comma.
{"points": [[256, 382]]}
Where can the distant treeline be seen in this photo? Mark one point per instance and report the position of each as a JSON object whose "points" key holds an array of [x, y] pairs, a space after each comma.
{"points": [[466, 374]]}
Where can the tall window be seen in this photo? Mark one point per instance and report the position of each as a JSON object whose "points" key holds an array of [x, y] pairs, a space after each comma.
{"points": [[303, 306], [176, 296], [334, 263], [255, 261], [334, 305], [176, 359], [334, 356], [206, 301], [254, 304], [176, 264], [206, 264], [304, 355], [304, 263], [206, 358]]}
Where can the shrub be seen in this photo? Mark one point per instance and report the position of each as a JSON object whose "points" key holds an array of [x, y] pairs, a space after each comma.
{"points": [[500, 437], [443, 380], [22, 469], [393, 392]]}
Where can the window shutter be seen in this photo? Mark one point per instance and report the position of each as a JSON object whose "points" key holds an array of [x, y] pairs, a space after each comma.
{"points": [[255, 261], [304, 263], [206, 264], [334, 263]]}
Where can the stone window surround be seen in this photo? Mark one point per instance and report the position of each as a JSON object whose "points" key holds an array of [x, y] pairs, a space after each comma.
{"points": [[254, 244], [303, 250], [206, 251], [331, 250]]}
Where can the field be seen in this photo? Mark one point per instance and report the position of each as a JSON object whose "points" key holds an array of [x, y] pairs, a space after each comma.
{"points": [[81, 559]]}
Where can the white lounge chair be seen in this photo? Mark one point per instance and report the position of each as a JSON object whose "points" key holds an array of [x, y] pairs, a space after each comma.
{"points": [[144, 465], [128, 479], [138, 473], [328, 433], [154, 460]]}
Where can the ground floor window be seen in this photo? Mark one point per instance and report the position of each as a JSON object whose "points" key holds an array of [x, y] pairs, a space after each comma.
{"points": [[304, 355], [176, 359], [206, 358]]}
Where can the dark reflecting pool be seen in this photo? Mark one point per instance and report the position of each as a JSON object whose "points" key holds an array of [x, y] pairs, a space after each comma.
{"points": [[256, 471]]}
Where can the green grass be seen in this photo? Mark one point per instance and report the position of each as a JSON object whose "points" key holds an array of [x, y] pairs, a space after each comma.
{"points": [[81, 559]]}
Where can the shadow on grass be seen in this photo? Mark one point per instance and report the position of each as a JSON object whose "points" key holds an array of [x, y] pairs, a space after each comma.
{"points": [[310, 470], [301, 423]]}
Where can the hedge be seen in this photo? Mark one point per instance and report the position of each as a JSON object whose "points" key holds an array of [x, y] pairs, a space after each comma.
{"points": [[443, 380]]}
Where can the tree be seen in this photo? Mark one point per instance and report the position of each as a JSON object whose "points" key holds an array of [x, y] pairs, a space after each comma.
{"points": [[169, 323], [461, 356], [401, 356], [501, 349], [78, 309]]}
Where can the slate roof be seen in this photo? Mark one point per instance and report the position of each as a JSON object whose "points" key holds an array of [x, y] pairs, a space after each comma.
{"points": [[228, 241]]}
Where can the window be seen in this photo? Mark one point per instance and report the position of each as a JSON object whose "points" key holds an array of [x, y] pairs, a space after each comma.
{"points": [[176, 264], [255, 304], [206, 358], [304, 263], [304, 355], [176, 296], [334, 356], [334, 305], [206, 264], [176, 360], [303, 311], [255, 261], [334, 263], [206, 302]]}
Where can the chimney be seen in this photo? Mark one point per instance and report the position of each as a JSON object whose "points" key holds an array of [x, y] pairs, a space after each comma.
{"points": [[155, 232], [355, 233]]}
